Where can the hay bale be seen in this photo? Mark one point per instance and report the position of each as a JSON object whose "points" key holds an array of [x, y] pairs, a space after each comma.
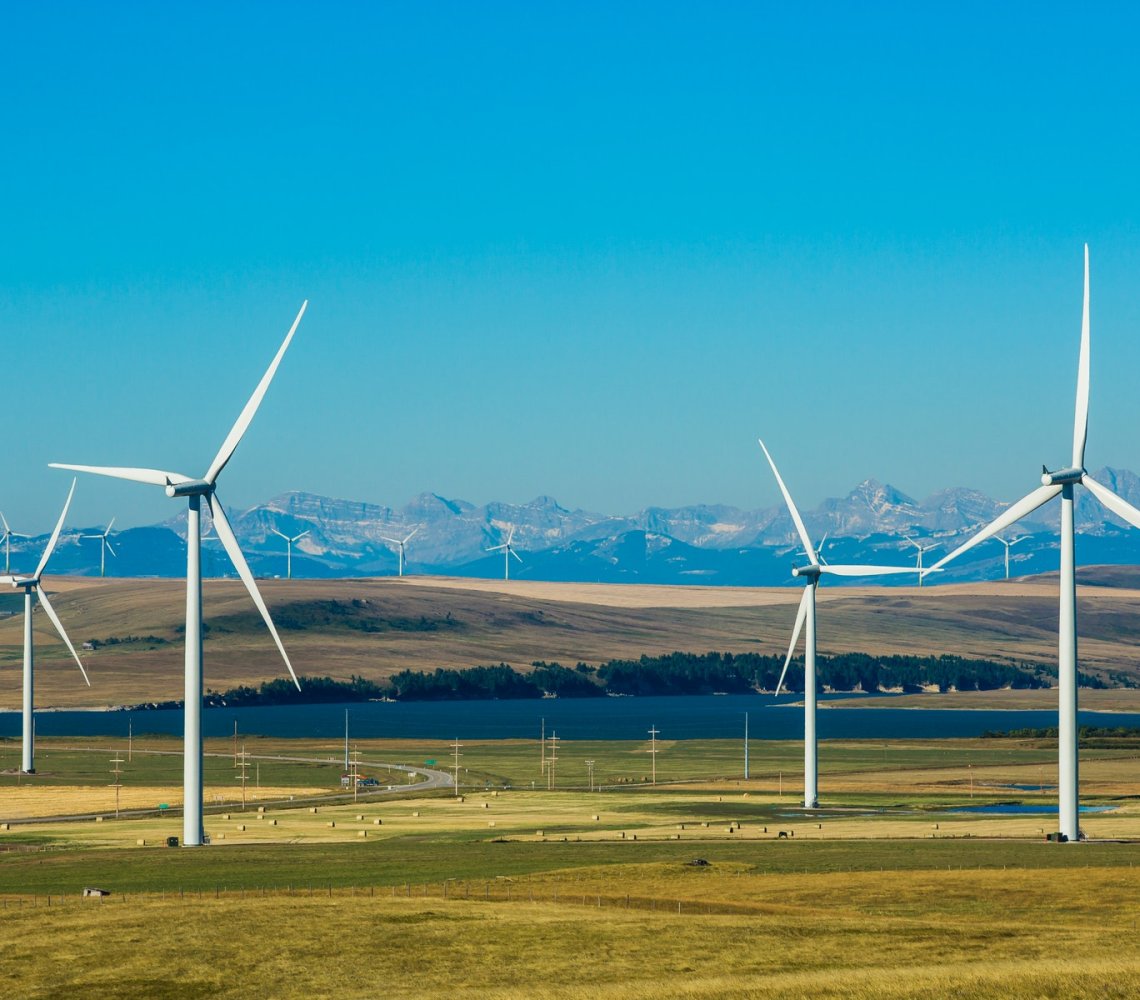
{"points": [[416, 814], [241, 827], [362, 833], [377, 822], [140, 842], [225, 815], [312, 809], [331, 823], [98, 819], [360, 818], [595, 817], [539, 833], [491, 823]]}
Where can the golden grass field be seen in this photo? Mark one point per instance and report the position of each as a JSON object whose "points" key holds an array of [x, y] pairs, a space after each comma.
{"points": [[522, 621]]}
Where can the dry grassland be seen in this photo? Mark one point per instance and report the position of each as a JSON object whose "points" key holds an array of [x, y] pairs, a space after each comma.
{"points": [[969, 935], [519, 622]]}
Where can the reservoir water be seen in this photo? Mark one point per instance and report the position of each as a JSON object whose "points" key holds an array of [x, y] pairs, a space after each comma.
{"points": [[696, 717]]}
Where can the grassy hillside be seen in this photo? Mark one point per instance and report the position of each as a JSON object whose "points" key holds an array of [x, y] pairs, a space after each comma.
{"points": [[374, 628]]}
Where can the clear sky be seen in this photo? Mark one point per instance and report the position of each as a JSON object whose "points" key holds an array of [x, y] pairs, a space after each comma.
{"points": [[589, 250]]}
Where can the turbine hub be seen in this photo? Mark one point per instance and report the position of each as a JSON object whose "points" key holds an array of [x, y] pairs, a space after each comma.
{"points": [[807, 572]]}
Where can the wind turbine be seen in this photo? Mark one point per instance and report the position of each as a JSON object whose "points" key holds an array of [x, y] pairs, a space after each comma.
{"points": [[194, 490], [1009, 545], [401, 544], [921, 550], [508, 551], [9, 534], [33, 584], [810, 574], [1063, 482], [104, 547], [289, 543]]}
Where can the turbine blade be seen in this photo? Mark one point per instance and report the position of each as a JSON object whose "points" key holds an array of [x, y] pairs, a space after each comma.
{"points": [[796, 519], [110, 547], [1081, 419], [153, 477], [7, 530], [297, 538], [279, 534], [1026, 505], [229, 542], [866, 570], [55, 534], [245, 418], [801, 615], [59, 628], [1120, 507], [510, 534], [495, 548], [515, 554], [107, 530], [412, 535]]}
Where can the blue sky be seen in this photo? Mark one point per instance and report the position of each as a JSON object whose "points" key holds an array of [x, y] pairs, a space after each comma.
{"points": [[586, 250]]}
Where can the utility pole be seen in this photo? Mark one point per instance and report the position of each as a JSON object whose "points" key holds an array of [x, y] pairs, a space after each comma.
{"points": [[354, 774], [455, 767], [346, 739], [130, 738], [117, 760], [244, 765], [235, 744], [551, 760], [590, 771], [542, 746], [653, 734]]}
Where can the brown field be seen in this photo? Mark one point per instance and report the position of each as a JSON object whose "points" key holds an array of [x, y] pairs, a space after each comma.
{"points": [[522, 621]]}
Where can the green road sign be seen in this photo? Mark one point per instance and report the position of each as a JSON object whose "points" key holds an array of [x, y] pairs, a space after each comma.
{"points": [[429, 763]]}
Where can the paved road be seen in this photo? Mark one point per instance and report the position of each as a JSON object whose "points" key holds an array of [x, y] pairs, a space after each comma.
{"points": [[430, 780]]}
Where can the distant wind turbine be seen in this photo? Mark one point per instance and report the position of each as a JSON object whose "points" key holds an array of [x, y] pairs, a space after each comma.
{"points": [[9, 534], [289, 545], [194, 490], [402, 543], [810, 574], [104, 547], [1063, 482], [508, 551], [32, 584], [921, 550], [1009, 545]]}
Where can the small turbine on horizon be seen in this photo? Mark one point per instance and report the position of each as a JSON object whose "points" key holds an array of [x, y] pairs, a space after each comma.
{"points": [[9, 534], [289, 546], [1009, 545], [401, 544], [194, 491], [33, 584], [811, 574], [1063, 482], [508, 550], [104, 547], [921, 549]]}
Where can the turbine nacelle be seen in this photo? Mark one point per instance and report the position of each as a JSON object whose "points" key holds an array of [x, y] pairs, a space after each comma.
{"points": [[1062, 477], [811, 572], [190, 488]]}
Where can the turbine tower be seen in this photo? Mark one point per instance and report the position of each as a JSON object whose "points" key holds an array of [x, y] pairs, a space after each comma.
{"points": [[194, 490], [9, 534], [33, 584], [921, 550], [289, 546], [508, 551], [1063, 482], [401, 543], [1009, 545], [105, 545], [810, 574]]}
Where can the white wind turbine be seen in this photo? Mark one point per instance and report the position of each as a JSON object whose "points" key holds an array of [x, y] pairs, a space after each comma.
{"points": [[508, 550], [177, 485], [806, 615], [34, 584], [289, 545], [921, 550], [1063, 482], [104, 546], [402, 543], [1009, 545], [9, 534]]}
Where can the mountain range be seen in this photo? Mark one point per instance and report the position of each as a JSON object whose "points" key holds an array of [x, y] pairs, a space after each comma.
{"points": [[702, 544]]}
